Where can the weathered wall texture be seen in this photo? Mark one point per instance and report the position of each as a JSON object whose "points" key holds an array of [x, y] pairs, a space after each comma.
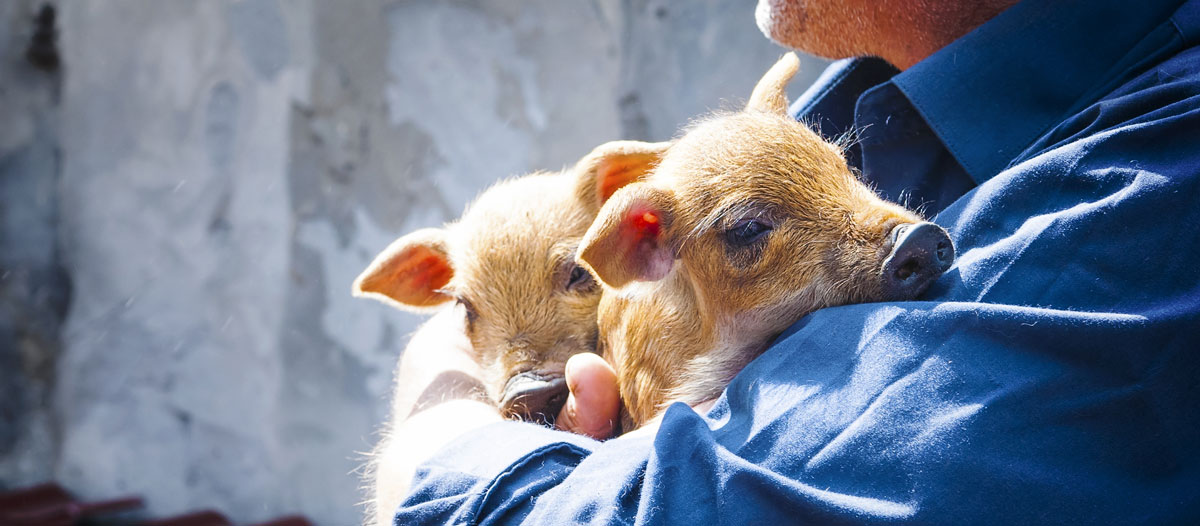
{"points": [[228, 166], [33, 288]]}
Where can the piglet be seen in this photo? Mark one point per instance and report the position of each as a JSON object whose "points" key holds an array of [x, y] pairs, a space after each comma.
{"points": [[749, 221]]}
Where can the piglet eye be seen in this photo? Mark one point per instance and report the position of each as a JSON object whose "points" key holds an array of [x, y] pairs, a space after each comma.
{"points": [[579, 279], [472, 314], [746, 232]]}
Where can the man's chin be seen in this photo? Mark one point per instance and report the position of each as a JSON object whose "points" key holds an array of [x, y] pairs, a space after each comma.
{"points": [[786, 22], [782, 21]]}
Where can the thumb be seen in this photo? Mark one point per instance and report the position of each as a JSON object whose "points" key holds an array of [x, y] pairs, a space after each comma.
{"points": [[594, 404]]}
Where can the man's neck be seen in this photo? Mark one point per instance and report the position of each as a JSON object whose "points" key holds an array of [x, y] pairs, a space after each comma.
{"points": [[911, 38]]}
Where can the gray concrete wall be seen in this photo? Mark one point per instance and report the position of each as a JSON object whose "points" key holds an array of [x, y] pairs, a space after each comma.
{"points": [[227, 168]]}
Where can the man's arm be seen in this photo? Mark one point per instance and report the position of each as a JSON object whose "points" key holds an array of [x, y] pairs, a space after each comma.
{"points": [[1055, 370], [439, 396]]}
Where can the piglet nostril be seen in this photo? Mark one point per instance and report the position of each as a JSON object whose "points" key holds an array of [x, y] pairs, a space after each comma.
{"points": [[945, 252], [907, 269]]}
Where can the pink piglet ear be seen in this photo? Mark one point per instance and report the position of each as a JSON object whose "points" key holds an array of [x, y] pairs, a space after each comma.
{"points": [[613, 165], [632, 238], [410, 272]]}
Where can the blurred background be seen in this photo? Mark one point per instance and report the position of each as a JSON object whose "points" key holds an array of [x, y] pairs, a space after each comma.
{"points": [[188, 188]]}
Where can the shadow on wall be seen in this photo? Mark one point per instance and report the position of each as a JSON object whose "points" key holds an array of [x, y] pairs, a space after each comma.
{"points": [[209, 178]]}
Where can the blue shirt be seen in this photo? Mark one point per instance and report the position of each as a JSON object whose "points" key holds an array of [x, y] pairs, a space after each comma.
{"points": [[1052, 376]]}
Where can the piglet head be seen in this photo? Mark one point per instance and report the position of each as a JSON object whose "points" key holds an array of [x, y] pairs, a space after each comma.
{"points": [[508, 265]]}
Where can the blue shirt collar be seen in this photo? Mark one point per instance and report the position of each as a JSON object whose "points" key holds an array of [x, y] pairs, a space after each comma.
{"points": [[991, 93]]}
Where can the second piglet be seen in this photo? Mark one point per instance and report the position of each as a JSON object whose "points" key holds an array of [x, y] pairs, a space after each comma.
{"points": [[509, 263], [749, 221]]}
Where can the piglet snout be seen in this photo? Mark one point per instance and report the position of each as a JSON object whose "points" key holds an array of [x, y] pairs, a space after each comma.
{"points": [[534, 397], [920, 253]]}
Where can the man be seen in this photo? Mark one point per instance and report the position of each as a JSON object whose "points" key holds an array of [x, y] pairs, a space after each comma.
{"points": [[1048, 378]]}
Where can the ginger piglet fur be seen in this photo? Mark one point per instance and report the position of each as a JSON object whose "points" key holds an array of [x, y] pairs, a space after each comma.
{"points": [[749, 221]]}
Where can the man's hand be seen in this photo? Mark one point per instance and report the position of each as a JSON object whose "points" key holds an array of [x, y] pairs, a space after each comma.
{"points": [[594, 405]]}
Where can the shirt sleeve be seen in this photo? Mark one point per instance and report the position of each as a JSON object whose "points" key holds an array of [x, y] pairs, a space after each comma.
{"points": [[1048, 378], [486, 476]]}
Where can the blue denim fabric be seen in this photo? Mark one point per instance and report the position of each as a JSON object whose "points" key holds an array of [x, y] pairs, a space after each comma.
{"points": [[1052, 376]]}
